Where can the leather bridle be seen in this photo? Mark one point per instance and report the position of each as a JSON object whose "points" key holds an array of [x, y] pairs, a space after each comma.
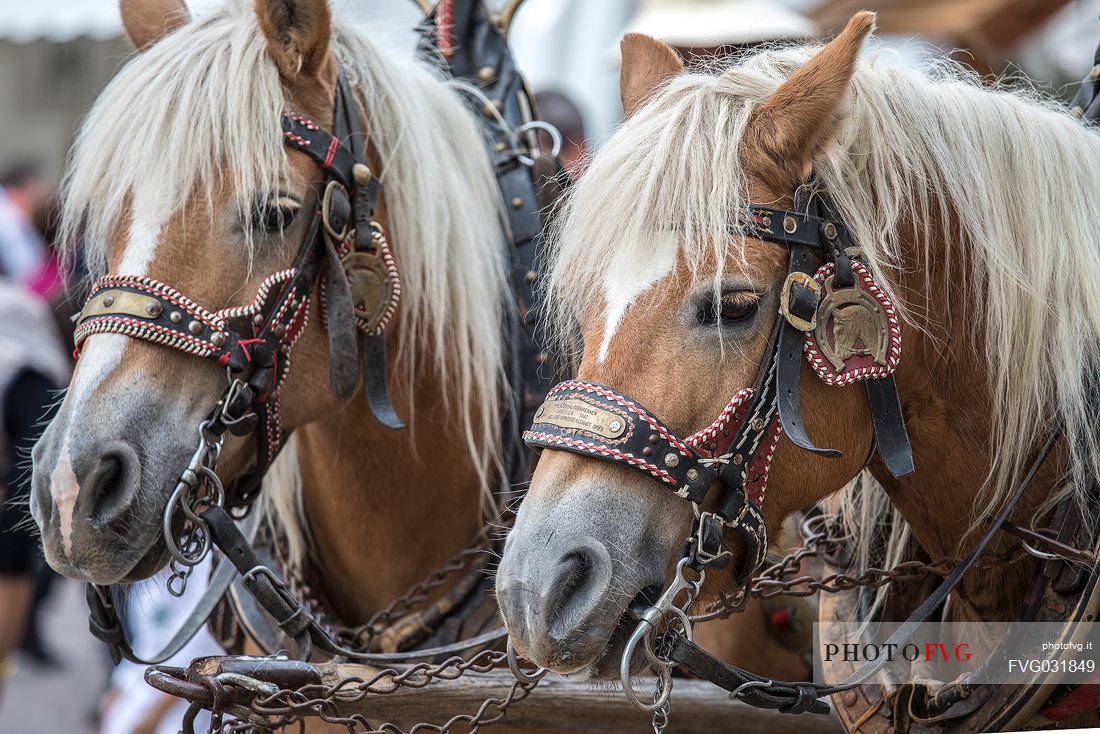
{"points": [[346, 203], [733, 454], [345, 257]]}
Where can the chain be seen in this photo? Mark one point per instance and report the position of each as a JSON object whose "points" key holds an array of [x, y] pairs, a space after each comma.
{"points": [[185, 533], [287, 707], [418, 595], [364, 638], [660, 716], [785, 577]]}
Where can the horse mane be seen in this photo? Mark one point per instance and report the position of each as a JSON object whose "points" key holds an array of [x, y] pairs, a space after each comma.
{"points": [[915, 145], [211, 104]]}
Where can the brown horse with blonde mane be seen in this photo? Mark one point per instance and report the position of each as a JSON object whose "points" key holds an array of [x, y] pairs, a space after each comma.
{"points": [[963, 220], [181, 175]]}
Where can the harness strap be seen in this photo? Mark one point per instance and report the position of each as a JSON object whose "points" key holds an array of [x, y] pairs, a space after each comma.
{"points": [[801, 304], [891, 438], [106, 625], [793, 697], [269, 590]]}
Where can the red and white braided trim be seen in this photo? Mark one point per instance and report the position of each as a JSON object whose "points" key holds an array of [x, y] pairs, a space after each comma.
{"points": [[629, 405], [157, 289], [109, 324], [599, 450], [262, 293], [444, 28], [756, 484], [379, 238], [824, 368], [734, 413]]}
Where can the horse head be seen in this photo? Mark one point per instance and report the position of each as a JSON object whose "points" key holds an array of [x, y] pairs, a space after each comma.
{"points": [[863, 206], [679, 337], [195, 186]]}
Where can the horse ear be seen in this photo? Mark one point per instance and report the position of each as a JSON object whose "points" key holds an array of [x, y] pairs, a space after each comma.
{"points": [[298, 34], [148, 21], [799, 119], [646, 64]]}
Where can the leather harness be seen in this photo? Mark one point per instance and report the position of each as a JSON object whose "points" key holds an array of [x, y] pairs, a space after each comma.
{"points": [[529, 183], [253, 343], [734, 452]]}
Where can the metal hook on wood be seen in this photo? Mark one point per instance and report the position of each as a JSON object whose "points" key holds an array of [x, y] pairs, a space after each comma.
{"points": [[503, 19]]}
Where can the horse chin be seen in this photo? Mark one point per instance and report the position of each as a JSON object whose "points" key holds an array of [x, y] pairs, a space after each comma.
{"points": [[106, 558], [154, 560]]}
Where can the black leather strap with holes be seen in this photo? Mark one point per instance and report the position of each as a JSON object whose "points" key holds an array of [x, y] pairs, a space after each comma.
{"points": [[891, 438], [789, 355], [799, 697]]}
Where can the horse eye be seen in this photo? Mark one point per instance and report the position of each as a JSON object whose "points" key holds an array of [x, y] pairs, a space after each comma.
{"points": [[732, 308], [275, 215]]}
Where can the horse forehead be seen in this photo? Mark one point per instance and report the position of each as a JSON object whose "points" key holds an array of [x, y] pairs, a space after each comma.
{"points": [[627, 280], [102, 354]]}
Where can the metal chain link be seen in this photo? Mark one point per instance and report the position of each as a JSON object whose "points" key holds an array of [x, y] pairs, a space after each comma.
{"points": [[287, 707], [783, 578], [364, 638]]}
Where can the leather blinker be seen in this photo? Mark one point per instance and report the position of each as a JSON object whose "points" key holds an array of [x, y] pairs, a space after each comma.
{"points": [[857, 335]]}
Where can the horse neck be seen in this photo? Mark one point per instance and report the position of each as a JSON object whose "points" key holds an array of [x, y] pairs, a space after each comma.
{"points": [[948, 417], [385, 508]]}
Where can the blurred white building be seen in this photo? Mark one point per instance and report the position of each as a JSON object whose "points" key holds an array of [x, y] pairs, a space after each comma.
{"points": [[55, 56]]}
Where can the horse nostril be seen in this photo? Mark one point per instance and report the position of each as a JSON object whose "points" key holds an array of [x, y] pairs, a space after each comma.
{"points": [[112, 485], [575, 569], [575, 589]]}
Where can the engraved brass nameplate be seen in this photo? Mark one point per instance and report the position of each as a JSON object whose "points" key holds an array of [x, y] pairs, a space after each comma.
{"points": [[574, 414], [119, 302]]}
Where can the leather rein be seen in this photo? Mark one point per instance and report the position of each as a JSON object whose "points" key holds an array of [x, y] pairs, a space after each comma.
{"points": [[825, 278]]}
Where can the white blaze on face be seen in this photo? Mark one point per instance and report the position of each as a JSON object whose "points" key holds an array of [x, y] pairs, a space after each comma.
{"points": [[631, 276], [100, 355], [64, 489]]}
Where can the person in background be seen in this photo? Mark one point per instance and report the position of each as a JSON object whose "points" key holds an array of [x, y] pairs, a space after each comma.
{"points": [[22, 192], [33, 367], [153, 615], [559, 110], [702, 30]]}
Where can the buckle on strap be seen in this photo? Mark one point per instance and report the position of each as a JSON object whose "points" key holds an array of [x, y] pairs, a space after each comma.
{"points": [[707, 550], [799, 300]]}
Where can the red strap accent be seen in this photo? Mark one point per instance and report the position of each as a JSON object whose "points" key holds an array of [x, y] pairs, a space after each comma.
{"points": [[444, 28], [332, 148], [245, 344], [781, 619]]}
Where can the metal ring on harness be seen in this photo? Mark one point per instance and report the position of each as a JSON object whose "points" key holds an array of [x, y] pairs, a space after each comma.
{"points": [[664, 677], [185, 556], [648, 625], [556, 140], [518, 672]]}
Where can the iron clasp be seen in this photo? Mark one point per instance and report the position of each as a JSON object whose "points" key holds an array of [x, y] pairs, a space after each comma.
{"points": [[649, 623], [707, 549]]}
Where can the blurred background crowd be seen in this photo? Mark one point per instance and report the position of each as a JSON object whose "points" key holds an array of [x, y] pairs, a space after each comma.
{"points": [[56, 56]]}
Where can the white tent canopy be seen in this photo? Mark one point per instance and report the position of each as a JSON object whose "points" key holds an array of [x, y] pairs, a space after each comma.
{"points": [[63, 20]]}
